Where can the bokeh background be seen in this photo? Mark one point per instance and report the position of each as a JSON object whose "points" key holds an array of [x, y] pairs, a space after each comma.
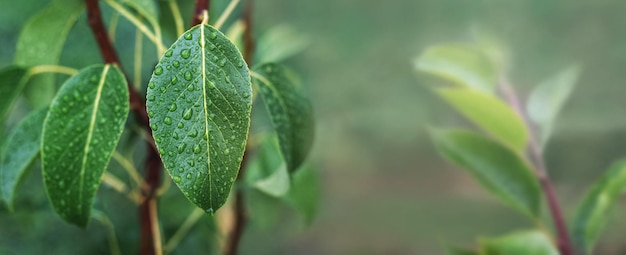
{"points": [[384, 190]]}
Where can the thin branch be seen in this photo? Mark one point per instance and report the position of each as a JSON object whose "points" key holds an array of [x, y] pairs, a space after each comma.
{"points": [[201, 6], [115, 18], [53, 69], [178, 19], [536, 156], [119, 186], [229, 9], [155, 228], [183, 230], [248, 40], [138, 24], [138, 59], [114, 245], [130, 169]]}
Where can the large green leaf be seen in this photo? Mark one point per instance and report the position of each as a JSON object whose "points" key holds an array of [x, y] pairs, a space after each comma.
{"points": [[497, 168], [290, 111], [12, 81], [489, 113], [520, 243], [82, 128], [21, 149], [546, 101], [41, 42], [463, 64], [199, 102], [593, 212]]}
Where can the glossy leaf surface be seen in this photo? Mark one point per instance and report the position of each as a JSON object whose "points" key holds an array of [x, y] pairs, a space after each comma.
{"points": [[198, 101], [81, 131]]}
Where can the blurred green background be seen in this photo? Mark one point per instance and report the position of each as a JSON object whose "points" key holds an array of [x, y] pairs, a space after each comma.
{"points": [[384, 189]]}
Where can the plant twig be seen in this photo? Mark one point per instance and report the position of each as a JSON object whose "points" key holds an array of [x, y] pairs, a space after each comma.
{"points": [[114, 245], [229, 9], [183, 230], [178, 19], [53, 69], [201, 6], [536, 156], [248, 40]]}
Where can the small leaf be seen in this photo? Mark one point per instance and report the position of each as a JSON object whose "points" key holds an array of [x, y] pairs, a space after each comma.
{"points": [[279, 43], [267, 171], [498, 169], [520, 243], [146, 8], [547, 99], [12, 81], [592, 214], [490, 114], [22, 148], [304, 193], [463, 64], [199, 100], [290, 111], [83, 126]]}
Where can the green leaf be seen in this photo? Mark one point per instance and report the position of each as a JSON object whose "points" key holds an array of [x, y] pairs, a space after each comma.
{"points": [[490, 114], [279, 43], [520, 243], [199, 100], [592, 214], [12, 81], [463, 64], [267, 171], [547, 99], [290, 111], [41, 43], [83, 126], [497, 168], [22, 147], [304, 193], [146, 8]]}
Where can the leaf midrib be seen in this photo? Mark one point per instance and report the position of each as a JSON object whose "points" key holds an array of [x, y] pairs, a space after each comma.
{"points": [[206, 113]]}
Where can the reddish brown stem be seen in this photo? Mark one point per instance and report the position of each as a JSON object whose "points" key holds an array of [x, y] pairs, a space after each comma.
{"points": [[137, 105], [535, 153], [201, 5], [248, 40]]}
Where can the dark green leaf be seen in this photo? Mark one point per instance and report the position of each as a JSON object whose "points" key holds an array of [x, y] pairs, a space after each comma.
{"points": [[22, 147], [592, 214], [199, 100], [521, 243], [12, 81], [290, 111], [497, 168], [489, 113], [82, 128], [463, 64], [545, 101], [304, 193]]}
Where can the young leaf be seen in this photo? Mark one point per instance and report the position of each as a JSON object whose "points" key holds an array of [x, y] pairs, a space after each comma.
{"points": [[267, 171], [82, 128], [290, 111], [12, 81], [520, 243], [592, 214], [489, 113], [289, 41], [498, 169], [548, 98], [21, 149], [275, 185], [199, 100], [463, 64], [304, 193]]}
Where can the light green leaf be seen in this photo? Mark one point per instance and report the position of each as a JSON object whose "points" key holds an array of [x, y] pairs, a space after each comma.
{"points": [[267, 171], [83, 126], [304, 193], [593, 213], [199, 100], [146, 8], [235, 33], [275, 185], [41, 42], [463, 64], [12, 81], [490, 114], [520, 243], [21, 149], [497, 168], [290, 111], [279, 43], [547, 99]]}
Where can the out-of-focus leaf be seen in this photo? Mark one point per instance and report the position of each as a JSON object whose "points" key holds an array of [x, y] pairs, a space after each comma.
{"points": [[41, 42], [520, 243], [454, 250], [547, 99], [265, 210], [276, 184], [21, 149], [199, 103], [290, 111], [82, 128], [593, 212], [267, 172], [279, 43], [235, 32], [304, 193], [497, 168], [463, 64], [12, 81], [146, 8], [490, 114]]}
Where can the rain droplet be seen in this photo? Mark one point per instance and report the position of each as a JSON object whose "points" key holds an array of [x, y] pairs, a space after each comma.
{"points": [[175, 135], [167, 120], [176, 179], [168, 53], [223, 62], [215, 59], [173, 107], [209, 211], [176, 63], [190, 87], [245, 95], [181, 125], [188, 36], [174, 80], [187, 114], [211, 47], [193, 133], [181, 147], [185, 53], [181, 170], [151, 98], [191, 163], [158, 70], [154, 127], [188, 76], [189, 176], [239, 64], [196, 149], [213, 35], [226, 152]]}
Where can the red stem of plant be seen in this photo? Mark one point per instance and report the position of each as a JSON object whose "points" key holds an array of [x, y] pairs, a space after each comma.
{"points": [[534, 151], [201, 5], [153, 160]]}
